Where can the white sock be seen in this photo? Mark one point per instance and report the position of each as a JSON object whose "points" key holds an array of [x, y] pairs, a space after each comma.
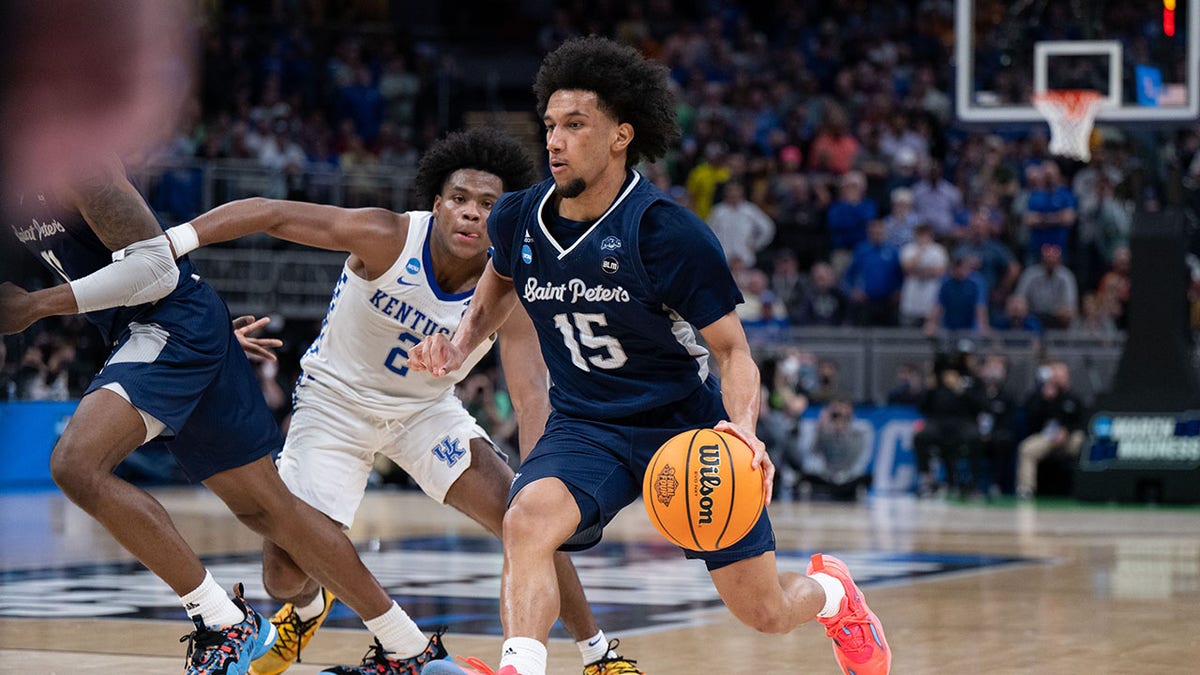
{"points": [[527, 655], [594, 648], [834, 592], [212, 604], [398, 633], [313, 609]]}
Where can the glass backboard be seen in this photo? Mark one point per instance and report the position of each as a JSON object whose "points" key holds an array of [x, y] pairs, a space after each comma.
{"points": [[1143, 57]]}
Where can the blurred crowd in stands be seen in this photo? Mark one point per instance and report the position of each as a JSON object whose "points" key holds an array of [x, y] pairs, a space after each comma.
{"points": [[818, 142]]}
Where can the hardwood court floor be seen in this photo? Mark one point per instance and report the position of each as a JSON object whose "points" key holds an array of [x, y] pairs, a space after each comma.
{"points": [[1047, 588]]}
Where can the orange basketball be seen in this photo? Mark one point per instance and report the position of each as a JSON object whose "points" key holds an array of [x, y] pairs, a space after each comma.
{"points": [[700, 491]]}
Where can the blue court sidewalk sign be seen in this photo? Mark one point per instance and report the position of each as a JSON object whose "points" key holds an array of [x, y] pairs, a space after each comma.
{"points": [[28, 432]]}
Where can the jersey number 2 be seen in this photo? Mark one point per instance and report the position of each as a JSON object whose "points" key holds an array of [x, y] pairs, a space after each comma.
{"points": [[613, 355], [397, 359]]}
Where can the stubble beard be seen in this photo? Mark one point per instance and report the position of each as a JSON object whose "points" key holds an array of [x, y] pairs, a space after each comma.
{"points": [[573, 188]]}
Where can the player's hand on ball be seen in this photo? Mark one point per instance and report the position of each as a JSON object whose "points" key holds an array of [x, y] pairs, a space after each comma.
{"points": [[437, 355], [15, 309], [761, 459]]}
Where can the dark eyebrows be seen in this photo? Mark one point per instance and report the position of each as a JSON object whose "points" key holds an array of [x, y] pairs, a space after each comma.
{"points": [[573, 113]]}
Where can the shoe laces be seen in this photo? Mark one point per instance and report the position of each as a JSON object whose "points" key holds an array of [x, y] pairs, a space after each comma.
{"points": [[291, 629], [615, 665], [851, 631], [213, 648], [384, 661]]}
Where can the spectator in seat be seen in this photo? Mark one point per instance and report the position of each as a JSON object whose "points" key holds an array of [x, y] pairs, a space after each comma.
{"points": [[1056, 417], [924, 262], [996, 422], [740, 225], [1017, 317], [1050, 289], [1049, 210], [996, 263], [848, 218], [822, 303], [837, 452], [786, 381], [874, 279], [901, 222], [937, 201], [908, 387], [951, 408], [961, 300]]}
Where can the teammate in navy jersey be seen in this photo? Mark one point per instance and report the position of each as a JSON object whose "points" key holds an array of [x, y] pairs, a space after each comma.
{"points": [[408, 275], [615, 276], [177, 372]]}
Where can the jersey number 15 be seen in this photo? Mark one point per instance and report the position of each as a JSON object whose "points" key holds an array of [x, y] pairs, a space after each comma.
{"points": [[612, 355]]}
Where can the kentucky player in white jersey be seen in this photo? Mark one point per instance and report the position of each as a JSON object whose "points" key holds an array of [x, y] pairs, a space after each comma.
{"points": [[408, 276]]}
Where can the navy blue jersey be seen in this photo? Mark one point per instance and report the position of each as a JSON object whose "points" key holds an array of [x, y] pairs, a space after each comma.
{"points": [[64, 242], [615, 308]]}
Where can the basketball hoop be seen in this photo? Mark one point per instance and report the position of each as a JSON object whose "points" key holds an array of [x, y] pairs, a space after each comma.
{"points": [[1071, 114]]}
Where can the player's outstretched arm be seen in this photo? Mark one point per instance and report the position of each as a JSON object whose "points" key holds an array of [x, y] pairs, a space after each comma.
{"points": [[741, 388], [143, 269], [376, 236], [526, 376], [491, 304]]}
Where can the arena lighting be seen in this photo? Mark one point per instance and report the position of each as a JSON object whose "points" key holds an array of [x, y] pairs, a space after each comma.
{"points": [[1169, 18]]}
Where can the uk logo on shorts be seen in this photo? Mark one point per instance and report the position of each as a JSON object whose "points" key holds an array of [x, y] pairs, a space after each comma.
{"points": [[450, 450]]}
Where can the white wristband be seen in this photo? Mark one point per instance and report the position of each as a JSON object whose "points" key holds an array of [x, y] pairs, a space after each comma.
{"points": [[183, 239]]}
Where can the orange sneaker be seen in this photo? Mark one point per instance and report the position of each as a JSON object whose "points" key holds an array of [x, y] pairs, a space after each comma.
{"points": [[857, 634]]}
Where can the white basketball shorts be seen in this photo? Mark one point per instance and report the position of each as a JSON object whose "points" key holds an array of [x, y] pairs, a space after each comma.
{"points": [[331, 445]]}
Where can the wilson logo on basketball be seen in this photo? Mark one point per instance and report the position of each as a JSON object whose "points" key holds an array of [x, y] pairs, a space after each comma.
{"points": [[665, 485], [710, 480]]}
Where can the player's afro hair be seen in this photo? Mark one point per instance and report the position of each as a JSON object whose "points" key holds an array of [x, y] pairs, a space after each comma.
{"points": [[630, 88], [480, 149]]}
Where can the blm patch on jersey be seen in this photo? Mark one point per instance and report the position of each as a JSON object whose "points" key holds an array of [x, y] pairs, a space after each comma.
{"points": [[455, 581]]}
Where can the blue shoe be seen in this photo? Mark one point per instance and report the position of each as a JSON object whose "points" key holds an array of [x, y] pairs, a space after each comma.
{"points": [[228, 650], [443, 667], [448, 667]]}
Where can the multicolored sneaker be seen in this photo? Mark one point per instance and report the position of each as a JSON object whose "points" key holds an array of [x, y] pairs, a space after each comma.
{"points": [[228, 650], [858, 641], [616, 665], [469, 666], [294, 634], [379, 662]]}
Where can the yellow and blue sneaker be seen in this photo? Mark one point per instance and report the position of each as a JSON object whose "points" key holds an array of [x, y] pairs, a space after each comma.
{"points": [[294, 635]]}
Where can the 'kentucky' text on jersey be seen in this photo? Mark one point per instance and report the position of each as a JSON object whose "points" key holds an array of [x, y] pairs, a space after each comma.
{"points": [[361, 351]]}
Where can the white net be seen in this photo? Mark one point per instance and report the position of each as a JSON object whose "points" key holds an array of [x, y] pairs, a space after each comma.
{"points": [[1071, 114]]}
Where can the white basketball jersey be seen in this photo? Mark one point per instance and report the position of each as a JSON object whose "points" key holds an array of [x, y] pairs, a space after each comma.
{"points": [[362, 349]]}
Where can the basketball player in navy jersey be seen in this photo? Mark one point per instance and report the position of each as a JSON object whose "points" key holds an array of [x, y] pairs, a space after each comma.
{"points": [[177, 372], [615, 276], [408, 275]]}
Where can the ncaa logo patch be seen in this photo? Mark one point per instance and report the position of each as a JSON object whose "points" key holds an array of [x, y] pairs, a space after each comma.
{"points": [[526, 254], [449, 450], [610, 244], [413, 266], [610, 265]]}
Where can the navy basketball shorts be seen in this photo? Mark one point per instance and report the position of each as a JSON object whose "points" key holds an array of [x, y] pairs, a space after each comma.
{"points": [[603, 462], [180, 363]]}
